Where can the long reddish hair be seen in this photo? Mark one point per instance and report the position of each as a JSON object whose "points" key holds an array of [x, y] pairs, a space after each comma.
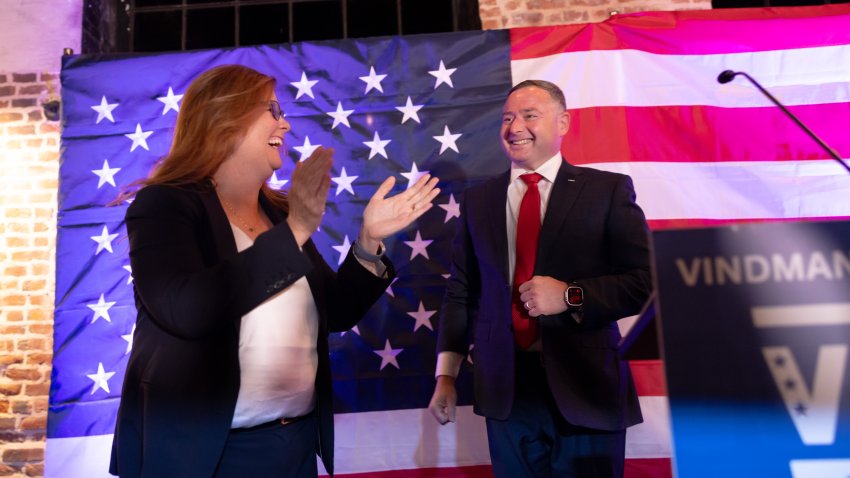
{"points": [[217, 109]]}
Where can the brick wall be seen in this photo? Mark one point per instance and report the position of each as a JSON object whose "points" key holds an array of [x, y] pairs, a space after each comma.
{"points": [[29, 164], [526, 13]]}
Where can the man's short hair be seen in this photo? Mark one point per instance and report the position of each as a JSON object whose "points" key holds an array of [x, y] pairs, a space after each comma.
{"points": [[551, 88]]}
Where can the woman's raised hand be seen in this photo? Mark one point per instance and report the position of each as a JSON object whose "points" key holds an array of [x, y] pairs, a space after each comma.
{"points": [[385, 216]]}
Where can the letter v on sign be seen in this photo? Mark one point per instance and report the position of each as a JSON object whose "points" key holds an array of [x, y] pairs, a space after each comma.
{"points": [[813, 407]]}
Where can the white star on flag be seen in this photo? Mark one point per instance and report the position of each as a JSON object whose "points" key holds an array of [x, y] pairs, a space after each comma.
{"points": [[452, 208], [129, 339], [306, 149], [305, 86], [373, 81], [342, 249], [409, 111], [340, 115], [170, 101], [413, 175], [104, 240], [105, 174], [276, 183], [389, 290], [130, 276], [377, 146], [101, 309], [418, 246], [100, 379], [443, 75], [388, 355], [353, 329], [139, 138], [104, 110], [447, 140], [343, 182], [423, 317]]}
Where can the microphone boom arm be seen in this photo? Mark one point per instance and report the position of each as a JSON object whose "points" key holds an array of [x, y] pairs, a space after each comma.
{"points": [[727, 76]]}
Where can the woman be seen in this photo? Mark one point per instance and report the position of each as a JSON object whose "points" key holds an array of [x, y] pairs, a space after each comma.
{"points": [[230, 373]]}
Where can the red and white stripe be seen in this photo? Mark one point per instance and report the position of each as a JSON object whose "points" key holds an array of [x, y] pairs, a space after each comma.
{"points": [[644, 100], [410, 443]]}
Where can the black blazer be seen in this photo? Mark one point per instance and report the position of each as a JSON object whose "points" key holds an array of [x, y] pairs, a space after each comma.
{"points": [[593, 234], [191, 289]]}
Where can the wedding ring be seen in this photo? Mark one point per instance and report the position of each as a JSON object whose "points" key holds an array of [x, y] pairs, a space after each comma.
{"points": [[527, 306]]}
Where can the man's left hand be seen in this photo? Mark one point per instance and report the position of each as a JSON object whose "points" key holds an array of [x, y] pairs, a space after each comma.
{"points": [[543, 295]]}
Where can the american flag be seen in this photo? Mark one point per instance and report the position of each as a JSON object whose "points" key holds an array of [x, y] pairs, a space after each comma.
{"points": [[644, 101]]}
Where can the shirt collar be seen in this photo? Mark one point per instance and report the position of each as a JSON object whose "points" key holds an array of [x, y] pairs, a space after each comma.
{"points": [[549, 169]]}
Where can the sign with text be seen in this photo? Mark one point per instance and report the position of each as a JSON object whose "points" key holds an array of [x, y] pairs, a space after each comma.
{"points": [[755, 326]]}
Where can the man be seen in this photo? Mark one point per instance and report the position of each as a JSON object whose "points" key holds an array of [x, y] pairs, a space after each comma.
{"points": [[538, 288]]}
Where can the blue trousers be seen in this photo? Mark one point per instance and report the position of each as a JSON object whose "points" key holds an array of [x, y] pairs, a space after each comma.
{"points": [[536, 442], [271, 450]]}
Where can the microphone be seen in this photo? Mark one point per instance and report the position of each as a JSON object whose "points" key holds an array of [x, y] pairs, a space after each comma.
{"points": [[728, 75]]}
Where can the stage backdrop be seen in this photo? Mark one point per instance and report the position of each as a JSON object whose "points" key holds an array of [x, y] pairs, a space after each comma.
{"points": [[644, 101]]}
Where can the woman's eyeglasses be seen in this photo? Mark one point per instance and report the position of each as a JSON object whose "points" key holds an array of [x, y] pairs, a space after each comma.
{"points": [[274, 109]]}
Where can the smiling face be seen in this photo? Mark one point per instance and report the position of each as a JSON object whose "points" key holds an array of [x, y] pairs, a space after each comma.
{"points": [[533, 123], [259, 149]]}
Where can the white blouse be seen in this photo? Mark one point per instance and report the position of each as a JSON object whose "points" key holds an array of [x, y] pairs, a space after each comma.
{"points": [[278, 360]]}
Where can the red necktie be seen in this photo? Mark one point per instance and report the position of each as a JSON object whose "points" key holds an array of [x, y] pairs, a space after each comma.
{"points": [[527, 233]]}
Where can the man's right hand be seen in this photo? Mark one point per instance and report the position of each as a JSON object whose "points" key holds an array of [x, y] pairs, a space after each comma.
{"points": [[444, 401]]}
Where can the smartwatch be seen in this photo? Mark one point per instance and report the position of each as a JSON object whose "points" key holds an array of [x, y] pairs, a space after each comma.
{"points": [[574, 297]]}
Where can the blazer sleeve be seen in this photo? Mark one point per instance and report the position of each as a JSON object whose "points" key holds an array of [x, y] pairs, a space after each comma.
{"points": [[189, 290], [626, 285], [349, 293], [462, 291]]}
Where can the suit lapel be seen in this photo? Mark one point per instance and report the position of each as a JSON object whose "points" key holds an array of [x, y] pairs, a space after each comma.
{"points": [[222, 233], [565, 191], [496, 197]]}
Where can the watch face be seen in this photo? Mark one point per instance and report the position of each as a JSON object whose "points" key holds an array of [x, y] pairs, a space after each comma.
{"points": [[575, 296]]}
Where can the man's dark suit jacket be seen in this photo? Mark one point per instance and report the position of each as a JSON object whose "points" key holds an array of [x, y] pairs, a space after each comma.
{"points": [[191, 289], [593, 234]]}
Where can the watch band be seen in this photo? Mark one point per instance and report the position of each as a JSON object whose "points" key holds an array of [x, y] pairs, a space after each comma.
{"points": [[367, 256]]}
